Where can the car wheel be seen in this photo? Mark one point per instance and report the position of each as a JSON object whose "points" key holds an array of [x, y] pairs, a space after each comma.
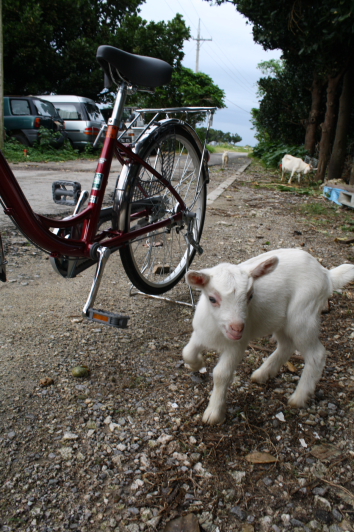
{"points": [[21, 138]]}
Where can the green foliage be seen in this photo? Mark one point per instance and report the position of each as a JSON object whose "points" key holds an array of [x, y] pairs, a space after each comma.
{"points": [[48, 139], [271, 153], [15, 152], [284, 106], [56, 42], [216, 135], [187, 88]]}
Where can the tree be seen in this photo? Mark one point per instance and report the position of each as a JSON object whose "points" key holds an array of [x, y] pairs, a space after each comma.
{"points": [[187, 88], [56, 42], [308, 33], [284, 101], [215, 135]]}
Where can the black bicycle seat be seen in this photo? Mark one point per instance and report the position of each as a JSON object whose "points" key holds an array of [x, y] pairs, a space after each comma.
{"points": [[136, 69]]}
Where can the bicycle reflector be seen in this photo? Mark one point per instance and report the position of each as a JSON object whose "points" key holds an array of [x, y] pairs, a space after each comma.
{"points": [[108, 318]]}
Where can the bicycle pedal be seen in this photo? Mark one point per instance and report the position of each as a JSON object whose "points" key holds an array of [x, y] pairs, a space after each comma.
{"points": [[62, 190], [108, 318]]}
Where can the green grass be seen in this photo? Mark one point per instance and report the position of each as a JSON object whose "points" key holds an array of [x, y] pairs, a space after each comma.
{"points": [[15, 152], [220, 148]]}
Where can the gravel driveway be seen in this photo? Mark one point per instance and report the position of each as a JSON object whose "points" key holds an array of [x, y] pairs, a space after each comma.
{"points": [[125, 449]]}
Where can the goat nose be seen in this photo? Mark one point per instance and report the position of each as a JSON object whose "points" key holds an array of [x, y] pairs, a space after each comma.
{"points": [[237, 326]]}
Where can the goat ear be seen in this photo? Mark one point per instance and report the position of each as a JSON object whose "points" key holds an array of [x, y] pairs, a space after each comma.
{"points": [[265, 267], [197, 279]]}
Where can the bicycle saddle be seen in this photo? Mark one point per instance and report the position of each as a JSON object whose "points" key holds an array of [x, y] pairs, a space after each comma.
{"points": [[136, 69]]}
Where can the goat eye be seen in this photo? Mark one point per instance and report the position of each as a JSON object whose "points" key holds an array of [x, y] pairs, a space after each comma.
{"points": [[250, 297], [212, 300]]}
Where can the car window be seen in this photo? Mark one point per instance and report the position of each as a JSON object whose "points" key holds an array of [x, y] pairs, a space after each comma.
{"points": [[94, 112], [44, 108], [20, 107], [69, 111]]}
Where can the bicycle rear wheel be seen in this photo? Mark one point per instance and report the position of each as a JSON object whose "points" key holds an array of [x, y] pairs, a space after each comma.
{"points": [[157, 261]]}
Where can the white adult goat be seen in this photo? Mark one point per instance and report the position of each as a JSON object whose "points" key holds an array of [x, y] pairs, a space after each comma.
{"points": [[280, 292], [294, 165], [225, 159]]}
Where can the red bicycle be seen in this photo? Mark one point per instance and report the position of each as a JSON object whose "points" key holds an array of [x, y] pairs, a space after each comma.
{"points": [[156, 220]]}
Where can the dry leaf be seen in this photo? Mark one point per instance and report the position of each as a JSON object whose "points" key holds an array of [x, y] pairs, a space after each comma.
{"points": [[325, 451], [260, 458], [291, 367], [47, 381]]}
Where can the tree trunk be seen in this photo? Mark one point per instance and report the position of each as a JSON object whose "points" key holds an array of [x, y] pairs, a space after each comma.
{"points": [[328, 126], [337, 160], [314, 116], [351, 179]]}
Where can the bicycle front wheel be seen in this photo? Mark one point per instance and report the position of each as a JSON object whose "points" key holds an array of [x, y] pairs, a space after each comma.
{"points": [[158, 260]]}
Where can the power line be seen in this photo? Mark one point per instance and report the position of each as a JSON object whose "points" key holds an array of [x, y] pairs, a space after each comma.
{"points": [[235, 104]]}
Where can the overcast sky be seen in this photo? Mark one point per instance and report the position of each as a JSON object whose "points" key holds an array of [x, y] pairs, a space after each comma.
{"points": [[230, 59]]}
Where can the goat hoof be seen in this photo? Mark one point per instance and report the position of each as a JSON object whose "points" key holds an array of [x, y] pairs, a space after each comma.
{"points": [[214, 416], [259, 377], [296, 402], [196, 364]]}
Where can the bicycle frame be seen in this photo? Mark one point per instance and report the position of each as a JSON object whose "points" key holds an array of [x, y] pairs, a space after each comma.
{"points": [[37, 227], [90, 242]]}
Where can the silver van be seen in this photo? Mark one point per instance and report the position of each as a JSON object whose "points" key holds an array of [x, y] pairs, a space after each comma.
{"points": [[83, 119]]}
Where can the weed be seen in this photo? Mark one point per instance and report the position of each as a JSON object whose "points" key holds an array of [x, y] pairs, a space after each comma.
{"points": [[15, 152], [316, 209]]}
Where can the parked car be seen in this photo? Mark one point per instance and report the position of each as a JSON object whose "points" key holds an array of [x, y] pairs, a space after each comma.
{"points": [[24, 115], [83, 119]]}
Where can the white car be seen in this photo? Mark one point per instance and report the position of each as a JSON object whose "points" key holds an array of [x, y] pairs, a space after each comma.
{"points": [[83, 119]]}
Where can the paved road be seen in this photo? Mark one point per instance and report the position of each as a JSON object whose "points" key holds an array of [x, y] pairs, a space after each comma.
{"points": [[36, 180]]}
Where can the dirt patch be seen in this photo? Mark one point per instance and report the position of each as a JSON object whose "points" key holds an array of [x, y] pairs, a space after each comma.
{"points": [[125, 449]]}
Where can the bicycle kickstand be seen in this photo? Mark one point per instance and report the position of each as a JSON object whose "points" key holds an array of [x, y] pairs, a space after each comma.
{"points": [[102, 316]]}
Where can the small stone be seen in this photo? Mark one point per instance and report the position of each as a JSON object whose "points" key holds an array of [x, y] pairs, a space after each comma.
{"points": [[238, 476], [267, 481], [70, 436], [322, 503], [164, 438], [11, 435], [265, 523], [296, 523], [247, 527], [146, 514], [286, 519], [319, 491], [337, 515], [314, 525], [240, 514], [66, 453], [335, 528], [138, 483]]}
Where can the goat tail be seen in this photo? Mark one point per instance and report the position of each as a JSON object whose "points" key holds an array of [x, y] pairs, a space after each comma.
{"points": [[341, 275]]}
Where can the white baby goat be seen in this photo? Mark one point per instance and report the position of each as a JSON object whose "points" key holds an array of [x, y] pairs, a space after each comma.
{"points": [[280, 292], [294, 165]]}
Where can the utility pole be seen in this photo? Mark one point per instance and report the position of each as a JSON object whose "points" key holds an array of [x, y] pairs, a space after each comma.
{"points": [[199, 39]]}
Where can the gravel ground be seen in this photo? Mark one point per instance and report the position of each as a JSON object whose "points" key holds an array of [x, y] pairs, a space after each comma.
{"points": [[125, 449]]}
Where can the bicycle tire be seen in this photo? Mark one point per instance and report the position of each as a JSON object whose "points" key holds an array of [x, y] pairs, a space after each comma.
{"points": [[156, 262]]}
